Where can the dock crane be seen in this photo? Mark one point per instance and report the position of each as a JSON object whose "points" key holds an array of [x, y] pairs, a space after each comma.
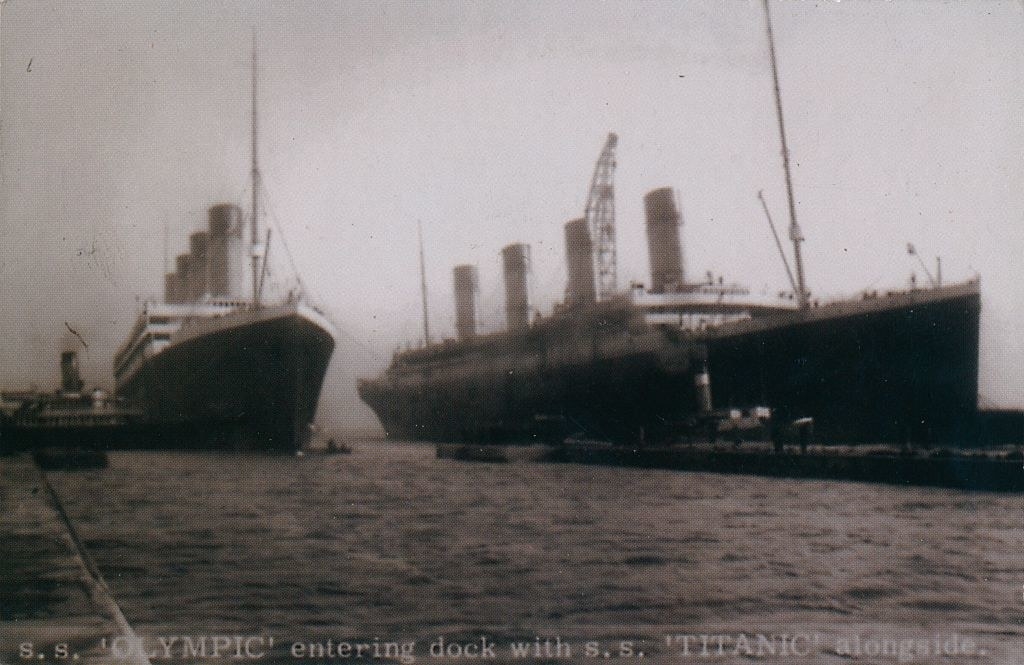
{"points": [[600, 216]]}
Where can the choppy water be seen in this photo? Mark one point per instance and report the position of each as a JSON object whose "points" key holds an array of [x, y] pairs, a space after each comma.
{"points": [[391, 543]]}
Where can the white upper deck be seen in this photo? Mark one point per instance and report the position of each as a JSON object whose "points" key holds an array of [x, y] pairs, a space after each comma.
{"points": [[720, 309], [158, 323], [708, 304]]}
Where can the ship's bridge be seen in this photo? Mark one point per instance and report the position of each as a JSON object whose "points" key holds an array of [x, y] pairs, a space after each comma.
{"points": [[694, 306]]}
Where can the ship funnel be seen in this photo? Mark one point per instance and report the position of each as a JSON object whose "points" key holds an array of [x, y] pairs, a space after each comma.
{"points": [[172, 288], [663, 246], [184, 263], [467, 285], [579, 289], [225, 251], [70, 379], [199, 267], [702, 384], [516, 261]]}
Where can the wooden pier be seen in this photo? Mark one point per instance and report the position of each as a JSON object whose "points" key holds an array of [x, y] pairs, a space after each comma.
{"points": [[55, 604], [975, 470]]}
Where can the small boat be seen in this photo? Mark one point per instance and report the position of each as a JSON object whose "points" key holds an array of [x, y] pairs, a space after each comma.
{"points": [[336, 449]]}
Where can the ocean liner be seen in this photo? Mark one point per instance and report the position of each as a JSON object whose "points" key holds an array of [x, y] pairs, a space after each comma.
{"points": [[210, 367], [646, 365], [640, 366]]}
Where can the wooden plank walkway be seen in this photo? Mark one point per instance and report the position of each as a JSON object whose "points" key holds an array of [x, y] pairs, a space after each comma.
{"points": [[54, 604]]}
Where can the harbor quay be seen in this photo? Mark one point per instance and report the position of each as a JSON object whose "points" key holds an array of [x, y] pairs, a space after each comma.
{"points": [[56, 604]]}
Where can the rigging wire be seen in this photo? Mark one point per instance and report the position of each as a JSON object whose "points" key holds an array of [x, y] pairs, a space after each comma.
{"points": [[314, 296], [280, 232]]}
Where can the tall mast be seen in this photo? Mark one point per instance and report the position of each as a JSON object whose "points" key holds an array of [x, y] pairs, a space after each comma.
{"points": [[794, 229], [255, 185], [423, 286]]}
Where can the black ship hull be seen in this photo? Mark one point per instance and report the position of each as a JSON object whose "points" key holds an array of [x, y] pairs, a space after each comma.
{"points": [[250, 380], [889, 369], [904, 370], [568, 375]]}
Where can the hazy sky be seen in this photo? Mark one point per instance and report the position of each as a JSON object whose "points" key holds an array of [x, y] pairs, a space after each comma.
{"points": [[122, 121]]}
